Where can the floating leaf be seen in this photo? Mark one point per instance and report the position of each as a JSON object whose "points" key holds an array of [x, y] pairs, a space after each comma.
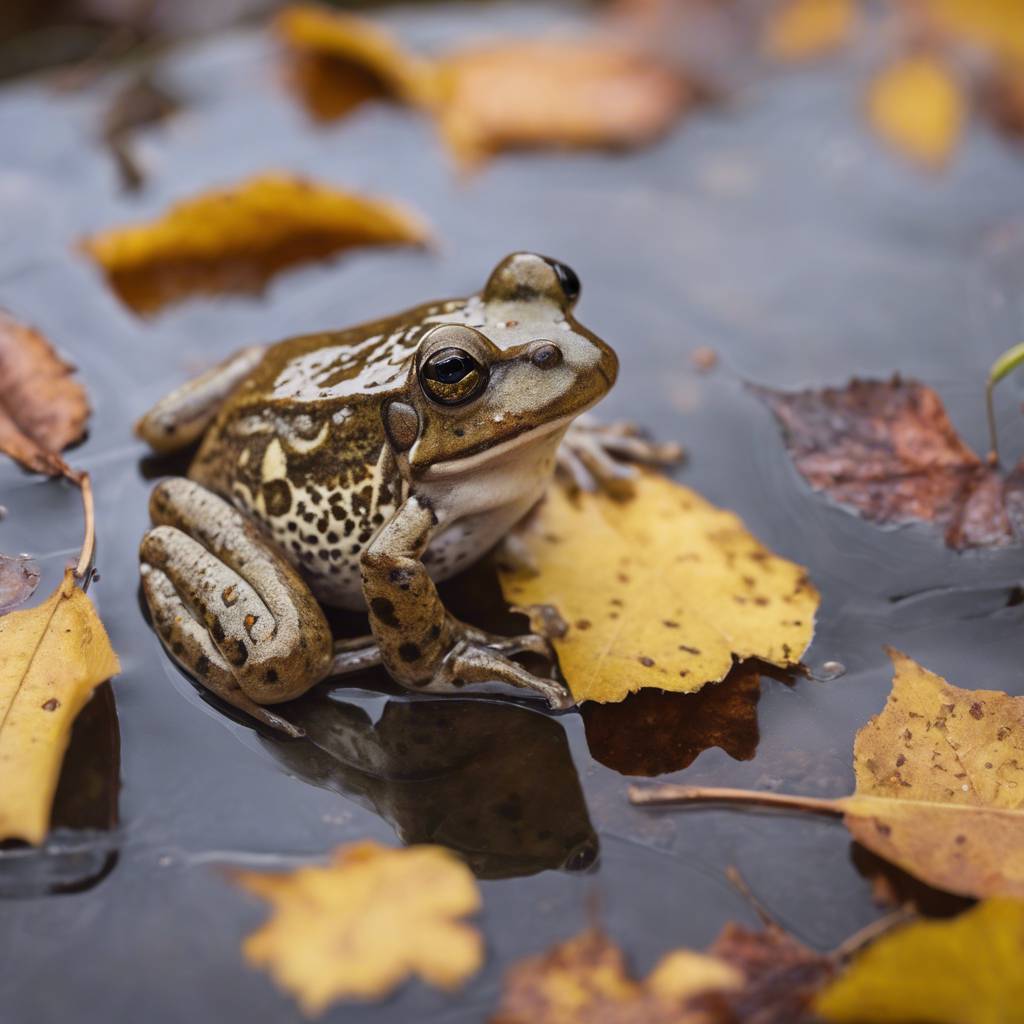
{"points": [[888, 450], [584, 981], [42, 408], [53, 657], [19, 578], [917, 105], [800, 29], [360, 926], [563, 93], [963, 971], [236, 239], [940, 785], [680, 592]]}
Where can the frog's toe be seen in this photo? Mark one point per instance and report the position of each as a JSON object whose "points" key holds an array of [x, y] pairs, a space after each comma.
{"points": [[470, 662]]}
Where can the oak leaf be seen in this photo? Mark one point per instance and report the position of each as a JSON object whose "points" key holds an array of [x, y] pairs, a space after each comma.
{"points": [[962, 971], [361, 925], [800, 29], [917, 105], [584, 980], [680, 591], [237, 238], [43, 409], [19, 578], [888, 450], [53, 657]]}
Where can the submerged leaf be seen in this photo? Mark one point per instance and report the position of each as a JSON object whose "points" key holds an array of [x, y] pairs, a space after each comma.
{"points": [[53, 657], [19, 578], [681, 591], [236, 239], [42, 408], [363, 924], [800, 29], [963, 971]]}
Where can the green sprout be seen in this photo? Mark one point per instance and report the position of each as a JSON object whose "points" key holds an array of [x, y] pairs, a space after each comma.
{"points": [[1002, 367]]}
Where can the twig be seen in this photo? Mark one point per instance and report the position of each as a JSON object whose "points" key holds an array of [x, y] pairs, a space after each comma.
{"points": [[671, 794], [82, 481], [739, 883], [852, 945]]}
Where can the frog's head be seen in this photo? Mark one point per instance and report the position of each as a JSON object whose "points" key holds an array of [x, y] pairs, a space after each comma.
{"points": [[512, 366]]}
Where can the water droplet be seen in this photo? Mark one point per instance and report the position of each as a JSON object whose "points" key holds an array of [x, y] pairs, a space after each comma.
{"points": [[829, 671]]}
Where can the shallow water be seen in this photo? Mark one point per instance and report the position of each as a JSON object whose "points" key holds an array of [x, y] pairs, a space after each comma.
{"points": [[773, 230]]}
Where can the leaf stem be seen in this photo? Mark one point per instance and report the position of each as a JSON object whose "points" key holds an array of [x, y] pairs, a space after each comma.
{"points": [[673, 794], [1002, 367], [83, 482]]}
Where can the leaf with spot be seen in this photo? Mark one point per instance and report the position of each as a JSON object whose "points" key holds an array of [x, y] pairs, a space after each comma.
{"points": [[679, 592], [53, 657], [940, 785]]}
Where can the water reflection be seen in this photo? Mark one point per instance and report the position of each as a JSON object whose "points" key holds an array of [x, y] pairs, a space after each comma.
{"points": [[493, 781], [81, 848]]}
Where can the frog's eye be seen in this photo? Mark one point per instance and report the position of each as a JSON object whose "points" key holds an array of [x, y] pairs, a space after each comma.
{"points": [[451, 376], [567, 278]]}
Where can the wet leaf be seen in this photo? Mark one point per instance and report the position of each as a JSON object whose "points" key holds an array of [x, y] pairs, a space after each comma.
{"points": [[962, 971], [19, 578], [800, 29], [917, 106], [53, 657], [235, 239], [363, 924], [887, 450], [681, 590], [556, 92], [584, 980], [42, 408]]}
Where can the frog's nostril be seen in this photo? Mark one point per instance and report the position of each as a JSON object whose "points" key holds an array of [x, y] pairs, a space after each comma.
{"points": [[546, 356]]}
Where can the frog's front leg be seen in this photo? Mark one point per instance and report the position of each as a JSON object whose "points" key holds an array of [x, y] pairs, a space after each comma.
{"points": [[227, 606], [422, 646], [595, 455]]}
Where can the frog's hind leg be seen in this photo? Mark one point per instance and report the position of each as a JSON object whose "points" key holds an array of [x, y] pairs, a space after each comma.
{"points": [[180, 418]]}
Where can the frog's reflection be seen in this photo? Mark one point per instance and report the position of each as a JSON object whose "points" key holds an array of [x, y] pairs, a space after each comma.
{"points": [[492, 781]]}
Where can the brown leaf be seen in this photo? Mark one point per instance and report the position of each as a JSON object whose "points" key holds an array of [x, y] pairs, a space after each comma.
{"points": [[801, 29], [42, 409], [887, 450], [235, 239], [19, 578], [553, 92]]}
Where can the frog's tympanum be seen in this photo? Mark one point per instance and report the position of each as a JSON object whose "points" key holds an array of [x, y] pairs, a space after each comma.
{"points": [[356, 468]]}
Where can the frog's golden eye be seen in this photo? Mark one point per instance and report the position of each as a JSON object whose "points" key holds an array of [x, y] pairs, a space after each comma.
{"points": [[451, 376]]}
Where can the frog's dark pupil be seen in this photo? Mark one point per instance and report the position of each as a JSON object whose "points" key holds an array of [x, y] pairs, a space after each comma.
{"points": [[567, 279], [451, 369]]}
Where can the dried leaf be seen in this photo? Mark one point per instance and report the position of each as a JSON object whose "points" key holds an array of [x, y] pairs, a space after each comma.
{"points": [[363, 924], [887, 450], [962, 971], [19, 578], [681, 590], [800, 29], [53, 657], [42, 409], [236, 239], [584, 981], [917, 106], [565, 93]]}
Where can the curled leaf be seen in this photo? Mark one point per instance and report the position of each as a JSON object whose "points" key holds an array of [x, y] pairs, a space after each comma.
{"points": [[43, 409], [237, 238], [363, 924], [800, 29], [53, 657], [19, 578], [680, 592]]}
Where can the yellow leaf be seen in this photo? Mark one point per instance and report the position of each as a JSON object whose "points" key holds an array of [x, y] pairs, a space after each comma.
{"points": [[565, 93], [918, 107], [53, 657], [358, 42], [997, 25], [360, 926], [963, 971], [237, 238], [800, 29], [680, 590], [584, 980]]}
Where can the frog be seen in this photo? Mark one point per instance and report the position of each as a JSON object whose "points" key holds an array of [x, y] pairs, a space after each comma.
{"points": [[359, 468]]}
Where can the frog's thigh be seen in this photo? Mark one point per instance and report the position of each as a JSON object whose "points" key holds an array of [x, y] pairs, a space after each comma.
{"points": [[258, 614]]}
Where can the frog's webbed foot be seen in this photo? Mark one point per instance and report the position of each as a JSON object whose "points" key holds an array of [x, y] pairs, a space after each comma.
{"points": [[227, 606], [603, 456]]}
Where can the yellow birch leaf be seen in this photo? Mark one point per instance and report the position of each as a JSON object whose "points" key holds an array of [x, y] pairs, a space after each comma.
{"points": [[917, 106], [996, 25], [363, 924], [801, 29], [237, 238], [963, 971], [51, 659], [681, 590]]}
